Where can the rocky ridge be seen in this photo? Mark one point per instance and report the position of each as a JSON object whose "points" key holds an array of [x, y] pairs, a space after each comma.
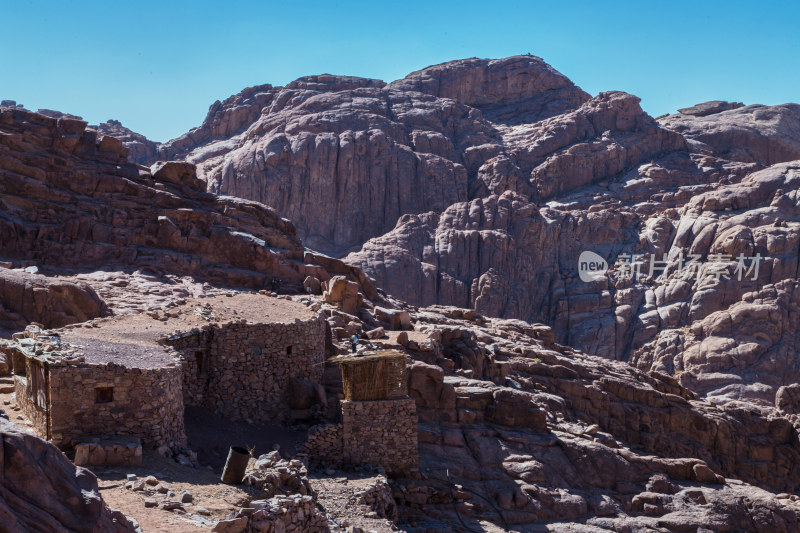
{"points": [[72, 200]]}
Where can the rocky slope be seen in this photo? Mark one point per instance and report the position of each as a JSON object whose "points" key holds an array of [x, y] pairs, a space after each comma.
{"points": [[521, 432], [72, 200], [140, 149]]}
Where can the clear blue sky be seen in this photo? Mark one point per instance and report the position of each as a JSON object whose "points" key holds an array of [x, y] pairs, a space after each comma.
{"points": [[157, 66]]}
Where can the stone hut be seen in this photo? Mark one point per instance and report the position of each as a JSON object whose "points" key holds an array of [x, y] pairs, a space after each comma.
{"points": [[132, 375], [379, 419]]}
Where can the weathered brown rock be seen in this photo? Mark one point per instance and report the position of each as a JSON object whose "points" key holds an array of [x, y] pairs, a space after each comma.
{"points": [[141, 150], [27, 297], [617, 449], [755, 133], [513, 90], [343, 293], [40, 490], [72, 201]]}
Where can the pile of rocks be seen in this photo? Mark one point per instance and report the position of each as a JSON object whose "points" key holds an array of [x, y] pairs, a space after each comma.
{"points": [[288, 504], [287, 514], [160, 494], [44, 345], [275, 475], [378, 498]]}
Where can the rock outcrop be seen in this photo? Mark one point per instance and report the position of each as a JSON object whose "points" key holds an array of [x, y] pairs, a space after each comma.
{"points": [[605, 445], [514, 90], [26, 297], [478, 183], [140, 149], [73, 200], [755, 133], [41, 490]]}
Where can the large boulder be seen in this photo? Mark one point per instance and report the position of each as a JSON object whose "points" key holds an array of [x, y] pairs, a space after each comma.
{"points": [[27, 297], [41, 490], [343, 293], [426, 385]]}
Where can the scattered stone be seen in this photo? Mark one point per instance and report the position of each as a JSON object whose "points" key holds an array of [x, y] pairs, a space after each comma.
{"points": [[170, 505], [377, 333], [234, 525]]}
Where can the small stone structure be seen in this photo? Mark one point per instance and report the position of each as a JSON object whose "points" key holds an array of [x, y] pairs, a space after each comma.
{"points": [[377, 497], [68, 394], [381, 430], [108, 451], [292, 513], [130, 376], [381, 433]]}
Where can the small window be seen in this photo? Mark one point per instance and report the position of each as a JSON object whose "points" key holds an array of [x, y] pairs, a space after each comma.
{"points": [[288, 350], [104, 395]]}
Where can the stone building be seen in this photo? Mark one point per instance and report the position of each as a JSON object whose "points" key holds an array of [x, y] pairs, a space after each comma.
{"points": [[379, 419], [132, 375]]}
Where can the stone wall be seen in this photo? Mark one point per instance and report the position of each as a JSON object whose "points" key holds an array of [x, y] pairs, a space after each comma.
{"points": [[246, 368], [381, 433], [323, 445], [292, 513], [111, 451], [192, 348], [37, 415], [144, 402], [377, 497]]}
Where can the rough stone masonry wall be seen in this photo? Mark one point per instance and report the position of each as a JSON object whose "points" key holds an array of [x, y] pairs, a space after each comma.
{"points": [[250, 367], [381, 433], [323, 445], [293, 513], [36, 415], [147, 403], [191, 347]]}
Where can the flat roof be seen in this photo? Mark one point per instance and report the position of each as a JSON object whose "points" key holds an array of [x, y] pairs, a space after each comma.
{"points": [[133, 340]]}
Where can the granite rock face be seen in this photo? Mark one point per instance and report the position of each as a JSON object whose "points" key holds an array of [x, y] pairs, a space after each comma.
{"points": [[140, 149], [608, 446], [514, 90], [41, 490]]}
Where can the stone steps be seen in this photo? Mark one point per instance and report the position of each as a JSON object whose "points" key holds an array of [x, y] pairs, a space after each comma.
{"points": [[6, 384]]}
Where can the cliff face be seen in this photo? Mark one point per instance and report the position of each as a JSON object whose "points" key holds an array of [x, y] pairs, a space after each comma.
{"points": [[479, 183]]}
